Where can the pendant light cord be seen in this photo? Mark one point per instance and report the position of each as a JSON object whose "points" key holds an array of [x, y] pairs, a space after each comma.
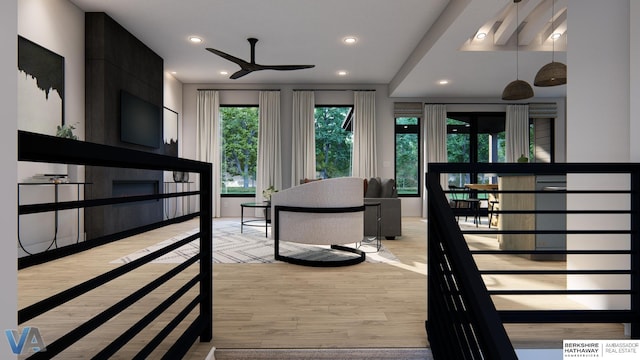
{"points": [[517, 40], [553, 28]]}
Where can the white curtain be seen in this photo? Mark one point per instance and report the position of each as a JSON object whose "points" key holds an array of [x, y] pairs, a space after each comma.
{"points": [[269, 154], [208, 140], [435, 149], [303, 137], [364, 161], [516, 132]]}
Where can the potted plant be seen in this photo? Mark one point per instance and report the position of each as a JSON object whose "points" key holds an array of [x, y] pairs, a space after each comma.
{"points": [[266, 193], [66, 131]]}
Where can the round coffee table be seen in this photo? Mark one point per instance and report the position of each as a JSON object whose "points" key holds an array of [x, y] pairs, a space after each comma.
{"points": [[266, 222]]}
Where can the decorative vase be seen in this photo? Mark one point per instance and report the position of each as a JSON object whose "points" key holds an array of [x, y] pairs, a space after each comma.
{"points": [[180, 176]]}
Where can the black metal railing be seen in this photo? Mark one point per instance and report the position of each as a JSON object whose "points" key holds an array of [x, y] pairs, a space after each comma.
{"points": [[41, 148], [456, 301], [462, 320]]}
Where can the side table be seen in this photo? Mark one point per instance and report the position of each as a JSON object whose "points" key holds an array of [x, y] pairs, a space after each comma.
{"points": [[56, 186], [256, 222], [378, 238]]}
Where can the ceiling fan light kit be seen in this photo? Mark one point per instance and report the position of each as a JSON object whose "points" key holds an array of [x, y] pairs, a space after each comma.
{"points": [[249, 67]]}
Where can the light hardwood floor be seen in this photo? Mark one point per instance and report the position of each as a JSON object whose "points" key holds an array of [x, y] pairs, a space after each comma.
{"points": [[369, 305]]}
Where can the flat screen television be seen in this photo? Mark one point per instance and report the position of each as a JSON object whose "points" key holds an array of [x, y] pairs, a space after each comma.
{"points": [[140, 121]]}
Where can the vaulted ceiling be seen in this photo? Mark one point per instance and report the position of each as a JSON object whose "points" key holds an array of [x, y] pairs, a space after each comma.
{"points": [[411, 45]]}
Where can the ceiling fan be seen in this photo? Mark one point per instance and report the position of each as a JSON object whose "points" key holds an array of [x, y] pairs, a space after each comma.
{"points": [[249, 67]]}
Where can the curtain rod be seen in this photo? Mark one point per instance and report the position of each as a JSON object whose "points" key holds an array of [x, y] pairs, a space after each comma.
{"points": [[469, 103], [293, 89], [239, 89], [334, 89]]}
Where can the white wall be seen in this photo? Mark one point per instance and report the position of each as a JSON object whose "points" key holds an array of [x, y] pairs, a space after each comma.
{"points": [[57, 25], [599, 130], [634, 93], [172, 99], [8, 104]]}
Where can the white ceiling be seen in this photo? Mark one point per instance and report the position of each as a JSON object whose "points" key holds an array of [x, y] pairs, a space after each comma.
{"points": [[408, 44]]}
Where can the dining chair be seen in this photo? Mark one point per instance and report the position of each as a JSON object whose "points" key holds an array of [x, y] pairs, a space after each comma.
{"points": [[461, 199]]}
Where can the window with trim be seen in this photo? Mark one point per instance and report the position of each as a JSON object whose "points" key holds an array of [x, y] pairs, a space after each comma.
{"points": [[407, 156], [475, 138], [239, 130], [480, 138], [334, 141]]}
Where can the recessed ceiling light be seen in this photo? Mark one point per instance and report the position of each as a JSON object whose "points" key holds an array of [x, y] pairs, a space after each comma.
{"points": [[342, 73], [555, 36], [443, 82], [224, 72], [481, 35], [195, 39], [174, 72], [349, 40]]}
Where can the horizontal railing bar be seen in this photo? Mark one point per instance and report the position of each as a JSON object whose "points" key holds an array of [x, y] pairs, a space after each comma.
{"points": [[53, 254], [505, 169], [556, 272], [551, 252], [560, 292], [319, 210], [83, 330], [71, 293], [162, 334], [124, 338], [568, 316], [67, 205], [582, 232], [596, 212], [548, 192], [68, 151]]}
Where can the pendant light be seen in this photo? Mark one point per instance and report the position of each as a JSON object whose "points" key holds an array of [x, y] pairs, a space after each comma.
{"points": [[554, 73], [517, 89]]}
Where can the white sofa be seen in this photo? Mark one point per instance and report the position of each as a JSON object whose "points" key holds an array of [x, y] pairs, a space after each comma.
{"points": [[327, 212]]}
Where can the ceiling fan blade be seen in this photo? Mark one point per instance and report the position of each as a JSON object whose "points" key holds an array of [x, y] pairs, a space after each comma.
{"points": [[249, 67], [232, 58], [285, 67], [240, 73]]}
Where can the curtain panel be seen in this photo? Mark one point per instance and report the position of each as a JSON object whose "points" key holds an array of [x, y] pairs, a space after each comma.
{"points": [[516, 132], [269, 166], [363, 159], [209, 140], [303, 137], [435, 149]]}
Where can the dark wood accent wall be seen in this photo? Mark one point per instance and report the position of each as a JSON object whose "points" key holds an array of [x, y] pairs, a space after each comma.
{"points": [[116, 60]]}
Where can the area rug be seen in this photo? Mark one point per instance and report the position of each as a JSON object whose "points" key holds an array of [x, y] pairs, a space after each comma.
{"points": [[252, 247]]}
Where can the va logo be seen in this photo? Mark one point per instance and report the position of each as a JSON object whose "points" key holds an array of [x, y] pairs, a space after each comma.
{"points": [[30, 336]]}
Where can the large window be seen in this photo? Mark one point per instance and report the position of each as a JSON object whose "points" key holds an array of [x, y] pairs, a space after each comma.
{"points": [[407, 159], [334, 141], [239, 126], [475, 138]]}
